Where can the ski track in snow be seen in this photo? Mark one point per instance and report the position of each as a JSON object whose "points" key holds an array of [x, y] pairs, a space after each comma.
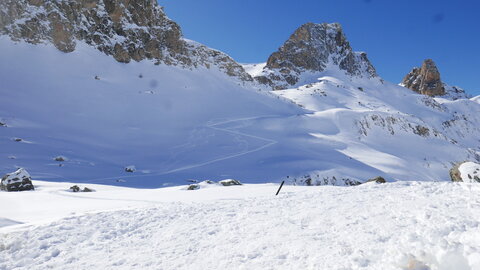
{"points": [[403, 225], [196, 165]]}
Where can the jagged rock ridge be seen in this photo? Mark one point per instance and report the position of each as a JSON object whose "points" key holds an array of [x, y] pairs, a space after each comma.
{"points": [[127, 30], [311, 48], [425, 80]]}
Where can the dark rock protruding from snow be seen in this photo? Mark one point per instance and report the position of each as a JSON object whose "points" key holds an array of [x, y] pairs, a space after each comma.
{"points": [[127, 30], [76, 188], [378, 179], [425, 80], [19, 180], [312, 48], [229, 182], [193, 187], [130, 169]]}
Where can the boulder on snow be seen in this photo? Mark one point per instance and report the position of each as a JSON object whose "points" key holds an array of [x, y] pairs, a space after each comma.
{"points": [[19, 180], [229, 182], [465, 172], [193, 187], [60, 158], [76, 188], [378, 179], [130, 169]]}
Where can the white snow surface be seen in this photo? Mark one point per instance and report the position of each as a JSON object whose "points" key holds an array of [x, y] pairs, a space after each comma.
{"points": [[470, 172], [254, 69], [402, 225], [476, 99]]}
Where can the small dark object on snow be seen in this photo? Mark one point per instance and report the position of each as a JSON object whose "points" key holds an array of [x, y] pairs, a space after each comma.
{"points": [[59, 158], [2, 124], [19, 180], [378, 179], [230, 182], [130, 169], [281, 185], [97, 78], [76, 188], [193, 187], [17, 139]]}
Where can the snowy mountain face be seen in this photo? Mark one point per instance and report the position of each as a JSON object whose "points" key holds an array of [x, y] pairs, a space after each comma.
{"points": [[311, 49], [112, 85], [126, 30]]}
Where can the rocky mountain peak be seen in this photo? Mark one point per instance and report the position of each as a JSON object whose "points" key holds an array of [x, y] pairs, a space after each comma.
{"points": [[425, 80], [127, 30], [311, 48]]}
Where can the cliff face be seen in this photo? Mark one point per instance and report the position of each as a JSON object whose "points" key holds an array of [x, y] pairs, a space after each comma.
{"points": [[127, 30], [425, 80], [311, 48]]}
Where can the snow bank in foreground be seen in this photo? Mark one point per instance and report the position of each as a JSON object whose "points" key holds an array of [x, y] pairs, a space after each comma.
{"points": [[403, 225]]}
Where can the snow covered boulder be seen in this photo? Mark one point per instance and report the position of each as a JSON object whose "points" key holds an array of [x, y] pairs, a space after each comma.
{"points": [[230, 182], [466, 172], [17, 181]]}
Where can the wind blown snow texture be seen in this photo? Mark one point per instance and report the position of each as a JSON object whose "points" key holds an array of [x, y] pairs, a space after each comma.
{"points": [[175, 124], [402, 225]]}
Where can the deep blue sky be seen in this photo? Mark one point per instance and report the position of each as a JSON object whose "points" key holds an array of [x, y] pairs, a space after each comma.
{"points": [[396, 34]]}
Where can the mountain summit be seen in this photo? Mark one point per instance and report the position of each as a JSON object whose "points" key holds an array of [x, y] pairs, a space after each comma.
{"points": [[313, 48], [425, 80]]}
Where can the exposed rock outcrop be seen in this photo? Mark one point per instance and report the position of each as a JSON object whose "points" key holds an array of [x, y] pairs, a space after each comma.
{"points": [[466, 172], [19, 180], [229, 182], [312, 48], [425, 80], [378, 180], [127, 30]]}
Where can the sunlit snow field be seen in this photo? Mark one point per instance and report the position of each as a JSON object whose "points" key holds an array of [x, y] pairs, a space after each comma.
{"points": [[403, 225]]}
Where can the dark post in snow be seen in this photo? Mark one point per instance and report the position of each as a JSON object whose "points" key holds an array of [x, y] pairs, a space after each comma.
{"points": [[281, 185]]}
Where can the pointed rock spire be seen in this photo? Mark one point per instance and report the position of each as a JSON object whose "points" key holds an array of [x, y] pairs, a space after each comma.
{"points": [[311, 48], [425, 80]]}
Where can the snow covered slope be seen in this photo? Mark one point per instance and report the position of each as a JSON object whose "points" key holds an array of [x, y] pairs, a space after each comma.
{"points": [[102, 115], [175, 124], [388, 127], [476, 99], [403, 225], [87, 95]]}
